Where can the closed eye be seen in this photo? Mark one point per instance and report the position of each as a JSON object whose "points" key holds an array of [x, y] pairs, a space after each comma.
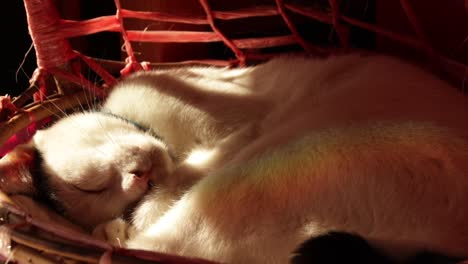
{"points": [[95, 185], [98, 191]]}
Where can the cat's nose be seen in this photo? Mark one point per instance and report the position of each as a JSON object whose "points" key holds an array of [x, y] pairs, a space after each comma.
{"points": [[141, 173], [139, 160], [138, 173]]}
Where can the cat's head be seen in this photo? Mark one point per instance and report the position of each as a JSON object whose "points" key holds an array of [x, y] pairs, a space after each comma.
{"points": [[93, 166]]}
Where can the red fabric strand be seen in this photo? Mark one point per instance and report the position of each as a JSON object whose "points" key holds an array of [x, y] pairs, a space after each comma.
{"points": [[209, 16], [52, 49]]}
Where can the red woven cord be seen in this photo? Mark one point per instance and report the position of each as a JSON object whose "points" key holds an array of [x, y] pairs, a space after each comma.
{"points": [[38, 80], [75, 69], [52, 49], [260, 11], [72, 28], [411, 15], [342, 31], [190, 36], [306, 46], [103, 73], [41, 93], [327, 18], [257, 11], [7, 108], [172, 36], [25, 134], [132, 63], [49, 34], [310, 12], [160, 16], [78, 80], [209, 16]]}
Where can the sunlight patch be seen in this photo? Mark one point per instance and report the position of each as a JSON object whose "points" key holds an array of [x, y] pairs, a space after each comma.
{"points": [[199, 156]]}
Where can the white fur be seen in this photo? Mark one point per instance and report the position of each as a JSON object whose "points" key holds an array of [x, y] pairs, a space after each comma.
{"points": [[105, 156], [298, 146]]}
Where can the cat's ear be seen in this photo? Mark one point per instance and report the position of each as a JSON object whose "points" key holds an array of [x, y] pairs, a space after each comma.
{"points": [[15, 170]]}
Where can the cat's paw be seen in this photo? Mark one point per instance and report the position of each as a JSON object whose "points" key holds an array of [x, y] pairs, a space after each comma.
{"points": [[116, 232]]}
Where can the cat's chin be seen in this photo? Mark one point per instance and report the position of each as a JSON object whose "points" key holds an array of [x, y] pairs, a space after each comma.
{"points": [[143, 190]]}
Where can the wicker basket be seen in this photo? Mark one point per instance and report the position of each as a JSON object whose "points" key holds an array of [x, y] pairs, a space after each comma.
{"points": [[234, 34]]}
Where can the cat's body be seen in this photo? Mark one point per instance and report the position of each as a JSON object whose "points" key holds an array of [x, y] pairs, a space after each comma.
{"points": [[291, 149]]}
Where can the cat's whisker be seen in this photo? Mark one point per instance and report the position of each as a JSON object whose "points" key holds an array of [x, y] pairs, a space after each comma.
{"points": [[65, 114], [80, 104], [47, 109], [86, 93], [102, 152], [20, 67], [93, 106], [107, 134], [76, 125], [94, 102]]}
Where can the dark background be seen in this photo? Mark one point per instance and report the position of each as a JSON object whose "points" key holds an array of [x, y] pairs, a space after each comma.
{"points": [[16, 41], [15, 44], [14, 78], [447, 33]]}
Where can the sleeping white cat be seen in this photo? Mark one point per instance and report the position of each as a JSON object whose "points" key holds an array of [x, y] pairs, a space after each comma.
{"points": [[290, 149]]}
